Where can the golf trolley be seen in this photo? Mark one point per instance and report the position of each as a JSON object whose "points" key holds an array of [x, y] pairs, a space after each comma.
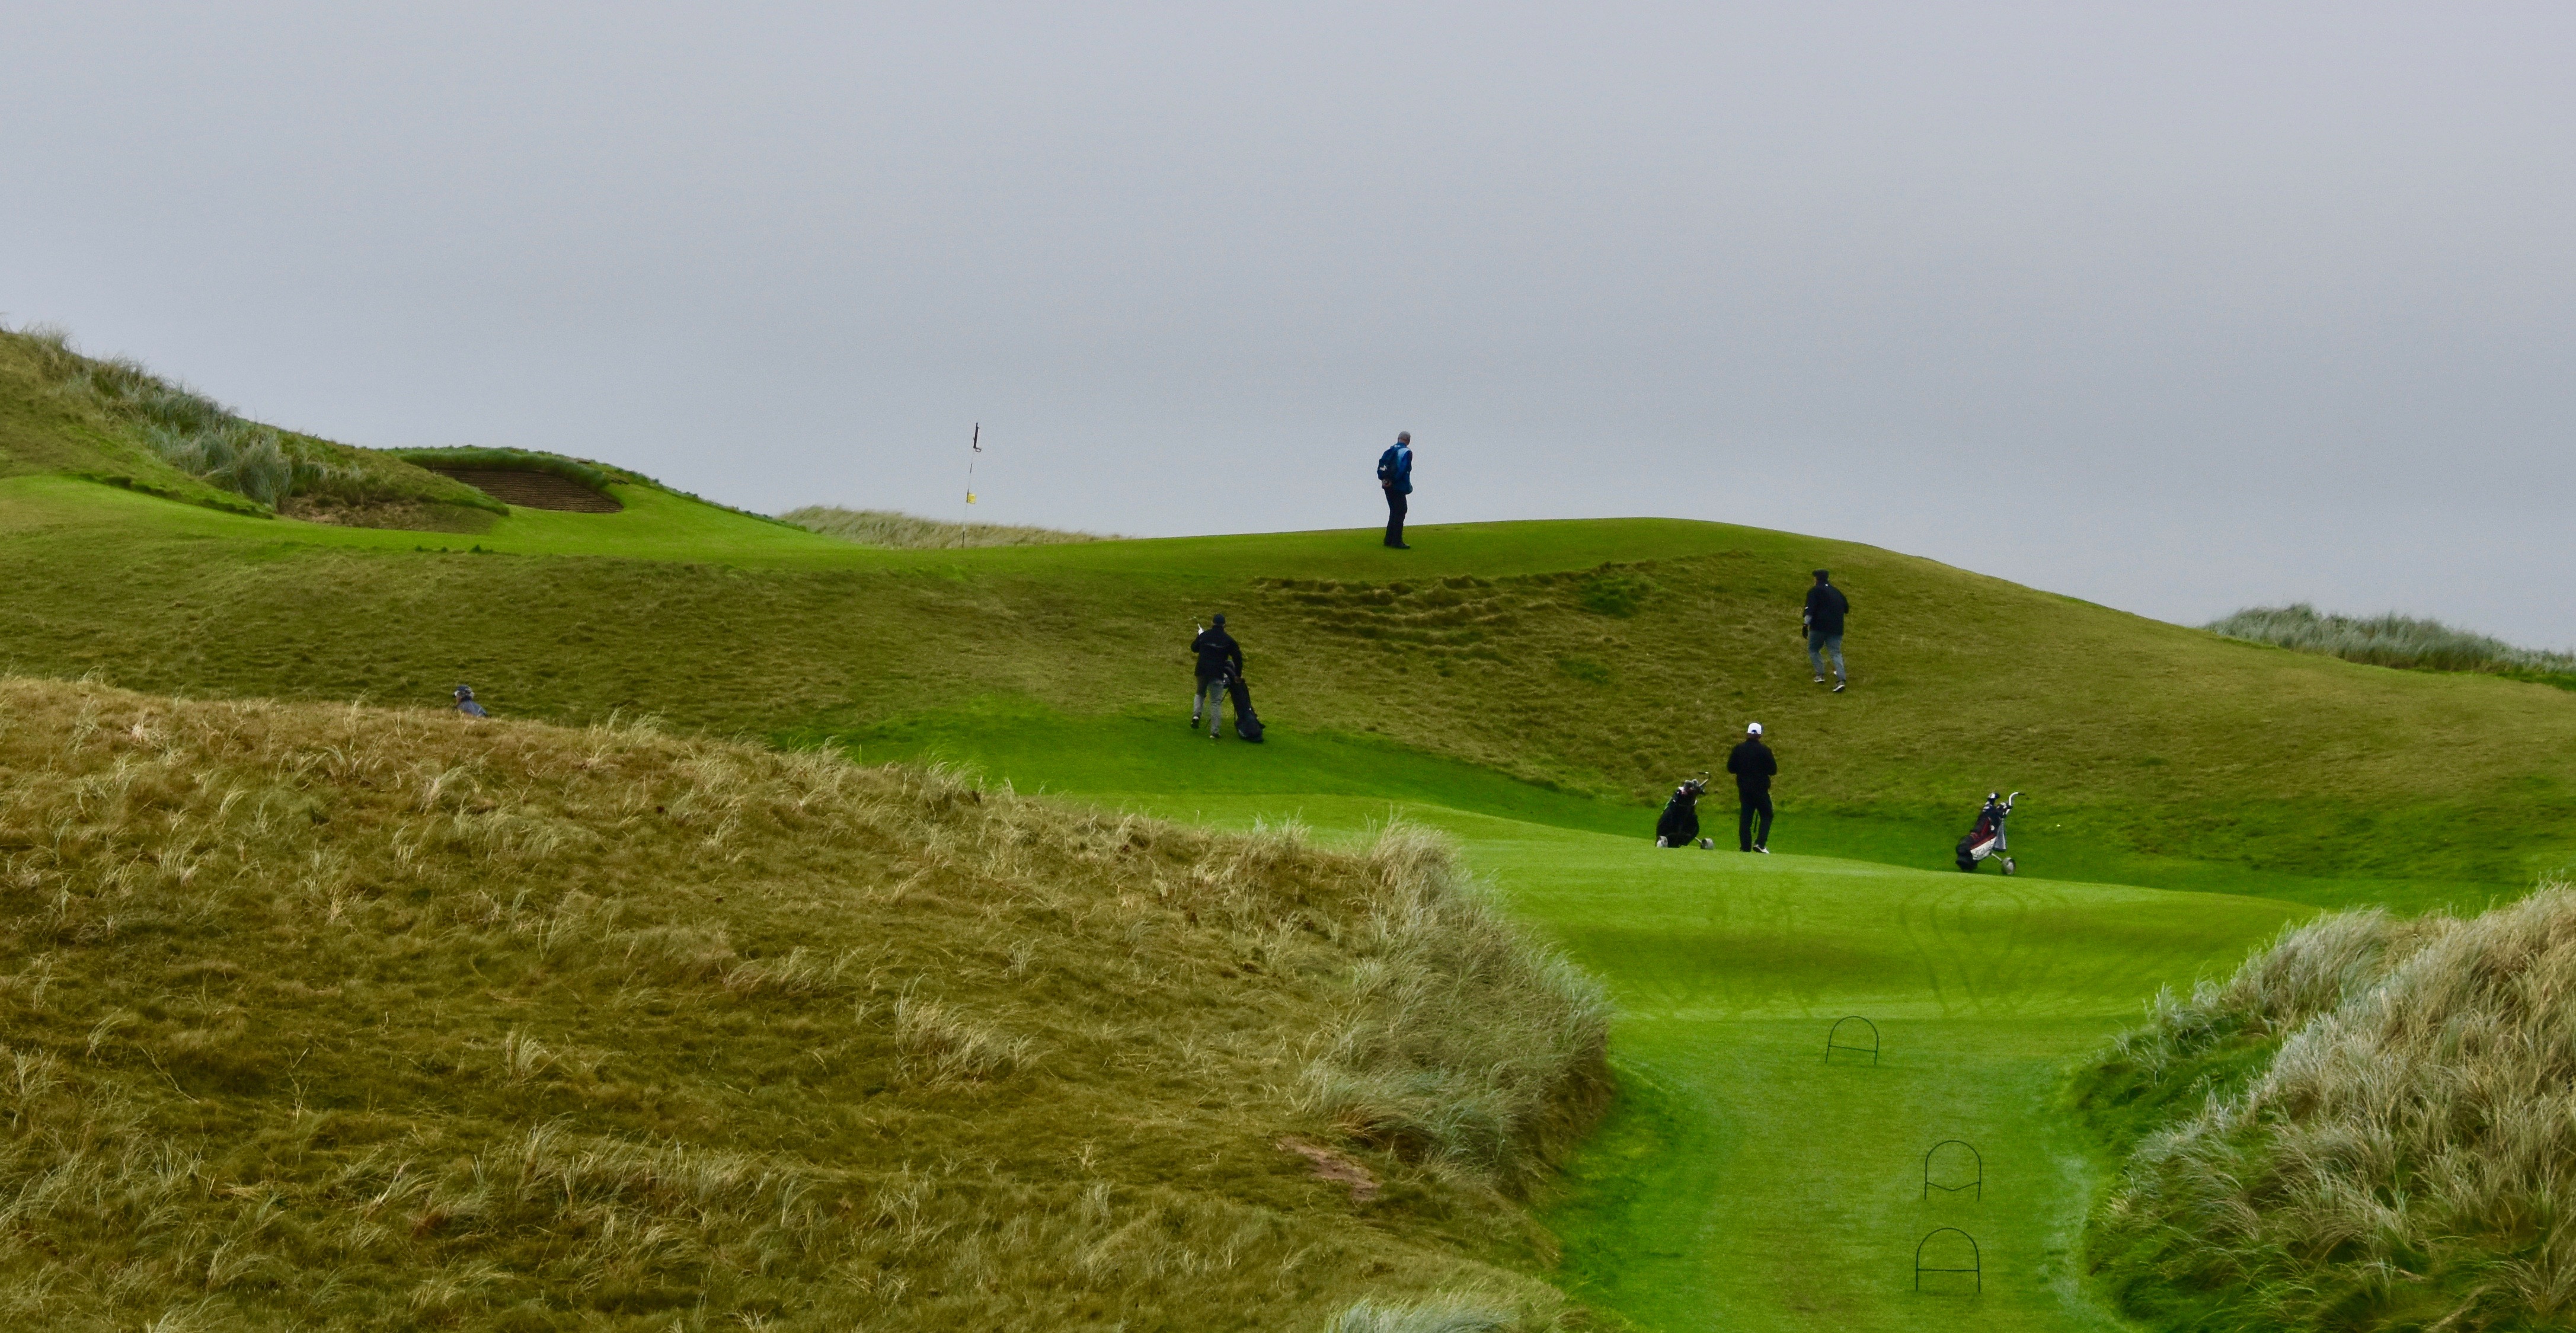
{"points": [[1987, 838], [1679, 824]]}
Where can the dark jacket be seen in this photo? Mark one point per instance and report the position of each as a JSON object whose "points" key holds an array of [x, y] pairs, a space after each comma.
{"points": [[1826, 607], [1219, 655], [1752, 765], [1395, 467]]}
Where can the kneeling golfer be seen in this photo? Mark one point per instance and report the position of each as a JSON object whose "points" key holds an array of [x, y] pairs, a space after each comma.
{"points": [[1753, 766]]}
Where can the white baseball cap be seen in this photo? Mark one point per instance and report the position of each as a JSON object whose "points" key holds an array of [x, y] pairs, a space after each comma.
{"points": [[1754, 730]]}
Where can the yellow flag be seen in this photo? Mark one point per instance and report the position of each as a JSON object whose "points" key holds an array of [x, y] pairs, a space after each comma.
{"points": [[970, 497]]}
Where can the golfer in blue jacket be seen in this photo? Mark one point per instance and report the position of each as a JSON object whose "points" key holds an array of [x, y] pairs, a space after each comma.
{"points": [[1395, 476]]}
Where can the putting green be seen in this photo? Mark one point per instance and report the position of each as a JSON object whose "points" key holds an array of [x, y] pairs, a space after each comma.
{"points": [[1747, 1181]]}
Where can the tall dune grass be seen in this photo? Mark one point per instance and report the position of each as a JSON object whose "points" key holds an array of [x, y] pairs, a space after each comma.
{"points": [[218, 446], [335, 1017], [884, 527], [2389, 640], [2400, 1153]]}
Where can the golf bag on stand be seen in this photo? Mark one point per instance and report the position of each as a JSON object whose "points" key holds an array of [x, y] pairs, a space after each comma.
{"points": [[1678, 826]]}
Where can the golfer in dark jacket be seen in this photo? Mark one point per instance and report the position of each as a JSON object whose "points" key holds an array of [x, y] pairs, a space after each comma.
{"points": [[1395, 475], [1826, 607], [465, 702], [1753, 767], [1220, 661]]}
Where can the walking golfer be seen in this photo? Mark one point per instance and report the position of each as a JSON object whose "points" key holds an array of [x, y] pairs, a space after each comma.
{"points": [[1220, 661], [1753, 766], [465, 702], [1826, 607], [1395, 476]]}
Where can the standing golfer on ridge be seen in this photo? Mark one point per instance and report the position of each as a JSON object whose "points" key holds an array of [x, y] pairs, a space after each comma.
{"points": [[1395, 476], [1826, 607], [1753, 767]]}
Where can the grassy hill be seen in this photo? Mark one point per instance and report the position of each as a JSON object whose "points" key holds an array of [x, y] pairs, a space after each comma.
{"points": [[1602, 658], [1531, 688], [334, 1017]]}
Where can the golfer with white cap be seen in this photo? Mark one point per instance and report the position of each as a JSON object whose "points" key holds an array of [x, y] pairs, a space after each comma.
{"points": [[1753, 767]]}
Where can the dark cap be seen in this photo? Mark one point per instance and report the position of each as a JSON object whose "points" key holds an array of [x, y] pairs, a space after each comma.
{"points": [[1822, 574], [1220, 617]]}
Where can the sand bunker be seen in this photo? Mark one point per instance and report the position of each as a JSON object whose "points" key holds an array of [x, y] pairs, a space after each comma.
{"points": [[533, 490]]}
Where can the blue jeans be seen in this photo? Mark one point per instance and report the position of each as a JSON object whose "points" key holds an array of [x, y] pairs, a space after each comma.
{"points": [[1820, 644]]}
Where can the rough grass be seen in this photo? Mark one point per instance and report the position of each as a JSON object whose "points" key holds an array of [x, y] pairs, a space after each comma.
{"points": [[2389, 640], [580, 471], [204, 440], [2367, 1127], [351, 1018], [884, 527]]}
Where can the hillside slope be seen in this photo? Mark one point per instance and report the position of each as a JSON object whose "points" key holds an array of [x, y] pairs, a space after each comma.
{"points": [[1605, 658], [368, 1019], [1498, 647], [115, 422]]}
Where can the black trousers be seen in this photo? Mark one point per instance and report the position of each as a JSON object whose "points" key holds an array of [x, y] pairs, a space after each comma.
{"points": [[1745, 837], [1395, 508]]}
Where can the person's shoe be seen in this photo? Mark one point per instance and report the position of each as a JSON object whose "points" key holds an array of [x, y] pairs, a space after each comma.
{"points": [[1838, 686], [1403, 546], [1762, 849], [1820, 680]]}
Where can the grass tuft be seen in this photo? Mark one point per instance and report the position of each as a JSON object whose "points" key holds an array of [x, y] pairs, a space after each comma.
{"points": [[1445, 1316], [1460, 1043], [2389, 640], [2366, 1127]]}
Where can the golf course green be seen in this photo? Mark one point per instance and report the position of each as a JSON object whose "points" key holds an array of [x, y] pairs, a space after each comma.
{"points": [[1745, 1180], [1529, 689]]}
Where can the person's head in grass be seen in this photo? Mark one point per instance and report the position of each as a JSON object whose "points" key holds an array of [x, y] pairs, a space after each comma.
{"points": [[1824, 576]]}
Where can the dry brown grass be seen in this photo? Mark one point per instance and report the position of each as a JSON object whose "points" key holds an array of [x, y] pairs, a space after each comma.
{"points": [[885, 527], [2404, 1159], [346, 1018]]}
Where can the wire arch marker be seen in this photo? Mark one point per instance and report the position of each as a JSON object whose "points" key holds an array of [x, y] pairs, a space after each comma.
{"points": [[1834, 1042], [1976, 1259], [1978, 1183]]}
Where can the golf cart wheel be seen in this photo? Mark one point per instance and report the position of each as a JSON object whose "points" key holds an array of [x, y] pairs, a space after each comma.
{"points": [[2008, 865]]}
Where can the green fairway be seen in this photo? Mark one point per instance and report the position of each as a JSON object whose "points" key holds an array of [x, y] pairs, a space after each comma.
{"points": [[1745, 1182]]}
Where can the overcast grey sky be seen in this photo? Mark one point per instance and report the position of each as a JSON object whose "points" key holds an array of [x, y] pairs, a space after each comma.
{"points": [[2174, 307]]}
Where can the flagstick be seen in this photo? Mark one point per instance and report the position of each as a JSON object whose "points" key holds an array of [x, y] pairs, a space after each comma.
{"points": [[977, 440]]}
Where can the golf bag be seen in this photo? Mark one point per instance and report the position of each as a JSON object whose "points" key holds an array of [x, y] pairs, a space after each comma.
{"points": [[1987, 838], [1678, 826], [1247, 724]]}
